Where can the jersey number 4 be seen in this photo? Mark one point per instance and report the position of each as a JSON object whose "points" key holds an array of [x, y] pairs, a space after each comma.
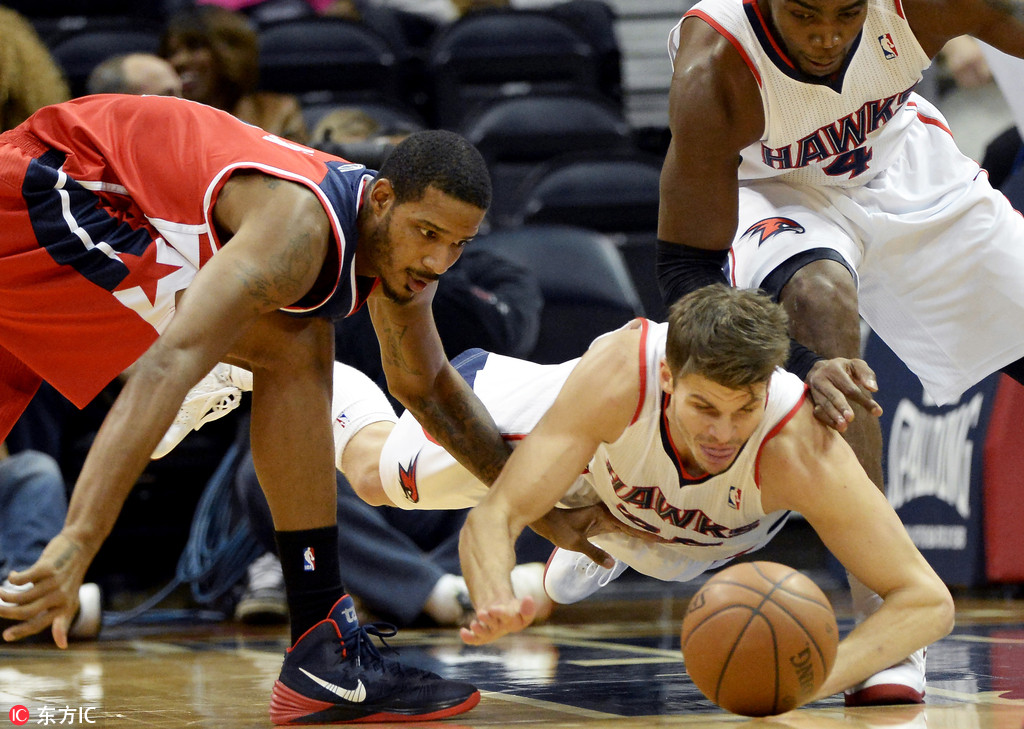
{"points": [[854, 162]]}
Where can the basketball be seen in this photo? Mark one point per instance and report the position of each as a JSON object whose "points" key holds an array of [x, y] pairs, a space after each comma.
{"points": [[759, 638]]}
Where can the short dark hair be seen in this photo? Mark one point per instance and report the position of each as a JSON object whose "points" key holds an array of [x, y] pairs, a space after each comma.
{"points": [[441, 159], [735, 337]]}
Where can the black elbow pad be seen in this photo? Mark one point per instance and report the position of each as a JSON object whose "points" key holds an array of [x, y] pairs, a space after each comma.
{"points": [[682, 269]]}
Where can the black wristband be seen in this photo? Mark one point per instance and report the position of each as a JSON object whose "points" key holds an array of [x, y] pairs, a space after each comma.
{"points": [[682, 269], [801, 359]]}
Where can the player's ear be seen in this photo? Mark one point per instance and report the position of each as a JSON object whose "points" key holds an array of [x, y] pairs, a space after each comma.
{"points": [[382, 195], [665, 378]]}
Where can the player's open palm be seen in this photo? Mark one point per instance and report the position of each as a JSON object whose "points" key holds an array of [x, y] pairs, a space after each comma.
{"points": [[496, 619]]}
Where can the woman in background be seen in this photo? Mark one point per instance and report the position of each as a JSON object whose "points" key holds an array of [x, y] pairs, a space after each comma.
{"points": [[216, 53]]}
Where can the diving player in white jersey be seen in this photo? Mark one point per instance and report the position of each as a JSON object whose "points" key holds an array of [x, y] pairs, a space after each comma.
{"points": [[802, 163], [690, 434]]}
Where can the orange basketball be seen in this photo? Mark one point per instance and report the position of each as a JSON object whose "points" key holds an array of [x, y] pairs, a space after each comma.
{"points": [[759, 638]]}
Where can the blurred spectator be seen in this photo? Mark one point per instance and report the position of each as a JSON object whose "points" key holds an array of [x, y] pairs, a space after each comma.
{"points": [[33, 503], [29, 77], [216, 54], [345, 124], [963, 59], [356, 135], [134, 73]]}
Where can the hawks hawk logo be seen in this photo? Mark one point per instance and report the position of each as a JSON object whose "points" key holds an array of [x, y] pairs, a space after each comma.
{"points": [[407, 479], [772, 226]]}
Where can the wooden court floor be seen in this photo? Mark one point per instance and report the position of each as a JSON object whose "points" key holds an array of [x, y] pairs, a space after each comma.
{"points": [[603, 663]]}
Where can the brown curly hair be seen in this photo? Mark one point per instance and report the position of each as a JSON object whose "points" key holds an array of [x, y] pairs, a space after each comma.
{"points": [[29, 76], [231, 39]]}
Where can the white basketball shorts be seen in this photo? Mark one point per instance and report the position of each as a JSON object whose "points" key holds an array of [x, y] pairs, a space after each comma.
{"points": [[417, 473], [937, 253]]}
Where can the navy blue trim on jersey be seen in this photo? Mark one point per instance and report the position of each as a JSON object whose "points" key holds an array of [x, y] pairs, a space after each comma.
{"points": [[46, 193], [670, 451], [666, 442], [775, 281], [777, 525], [771, 46], [342, 185], [469, 363]]}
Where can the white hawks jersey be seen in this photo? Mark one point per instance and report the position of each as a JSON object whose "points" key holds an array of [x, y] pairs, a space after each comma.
{"points": [[639, 476], [642, 480], [840, 130]]}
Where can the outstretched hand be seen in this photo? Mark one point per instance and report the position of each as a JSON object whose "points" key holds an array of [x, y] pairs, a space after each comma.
{"points": [[572, 529], [835, 383], [499, 618], [52, 598]]}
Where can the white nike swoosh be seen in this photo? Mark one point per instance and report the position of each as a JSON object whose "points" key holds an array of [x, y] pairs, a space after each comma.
{"points": [[356, 695]]}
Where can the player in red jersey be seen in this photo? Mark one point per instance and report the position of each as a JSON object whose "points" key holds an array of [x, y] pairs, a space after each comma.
{"points": [[165, 233]]}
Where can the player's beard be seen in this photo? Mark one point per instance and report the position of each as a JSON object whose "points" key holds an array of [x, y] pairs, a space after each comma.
{"points": [[378, 246]]}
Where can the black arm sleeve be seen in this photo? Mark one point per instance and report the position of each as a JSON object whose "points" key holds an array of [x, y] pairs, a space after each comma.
{"points": [[801, 359], [683, 268]]}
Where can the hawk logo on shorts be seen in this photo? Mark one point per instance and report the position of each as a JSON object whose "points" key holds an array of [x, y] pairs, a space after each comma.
{"points": [[772, 226], [407, 479]]}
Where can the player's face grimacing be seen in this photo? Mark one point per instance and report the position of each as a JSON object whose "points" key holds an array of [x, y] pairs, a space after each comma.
{"points": [[817, 34], [415, 242], [708, 422]]}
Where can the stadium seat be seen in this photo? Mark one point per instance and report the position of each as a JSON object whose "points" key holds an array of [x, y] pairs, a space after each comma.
{"points": [[491, 54], [79, 51], [586, 288], [324, 56], [516, 134], [616, 193]]}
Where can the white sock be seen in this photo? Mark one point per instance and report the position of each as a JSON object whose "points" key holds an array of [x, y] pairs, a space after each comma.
{"points": [[443, 604], [865, 602], [357, 402]]}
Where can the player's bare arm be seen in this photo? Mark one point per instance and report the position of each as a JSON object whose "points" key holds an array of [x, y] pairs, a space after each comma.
{"points": [[276, 242], [594, 406], [1000, 23], [714, 112], [421, 377], [809, 468]]}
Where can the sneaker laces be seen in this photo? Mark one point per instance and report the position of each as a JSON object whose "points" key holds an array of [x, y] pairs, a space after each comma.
{"points": [[362, 647]]}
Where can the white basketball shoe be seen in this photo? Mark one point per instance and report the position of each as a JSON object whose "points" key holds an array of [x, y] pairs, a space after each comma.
{"points": [[899, 684], [213, 397], [572, 576], [902, 683]]}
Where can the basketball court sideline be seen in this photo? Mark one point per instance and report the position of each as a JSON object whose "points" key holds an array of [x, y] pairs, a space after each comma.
{"points": [[604, 662]]}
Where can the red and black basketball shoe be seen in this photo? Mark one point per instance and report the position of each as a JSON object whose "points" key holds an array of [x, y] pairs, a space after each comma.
{"points": [[335, 675]]}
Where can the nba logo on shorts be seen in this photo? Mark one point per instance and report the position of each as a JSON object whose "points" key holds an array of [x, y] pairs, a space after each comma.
{"points": [[888, 46], [308, 560]]}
